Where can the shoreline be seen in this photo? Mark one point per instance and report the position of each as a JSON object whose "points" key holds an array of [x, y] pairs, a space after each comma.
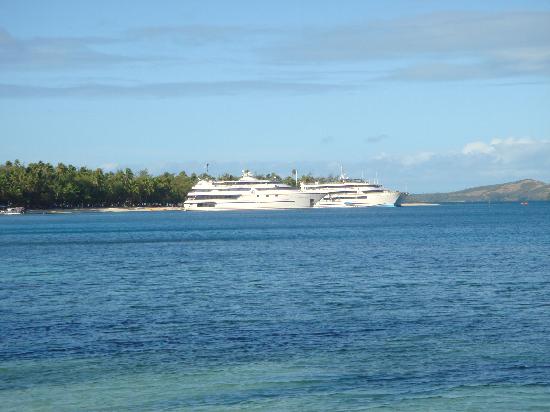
{"points": [[105, 210], [418, 204], [61, 211]]}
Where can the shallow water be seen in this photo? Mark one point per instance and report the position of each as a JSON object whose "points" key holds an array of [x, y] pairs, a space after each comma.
{"points": [[432, 308]]}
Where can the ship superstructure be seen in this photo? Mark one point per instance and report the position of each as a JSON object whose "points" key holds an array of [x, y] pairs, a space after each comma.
{"points": [[352, 193]]}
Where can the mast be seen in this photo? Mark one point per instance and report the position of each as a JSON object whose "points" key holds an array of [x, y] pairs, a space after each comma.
{"points": [[342, 175]]}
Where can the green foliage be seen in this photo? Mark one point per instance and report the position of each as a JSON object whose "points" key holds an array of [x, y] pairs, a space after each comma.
{"points": [[41, 185], [308, 179], [289, 180], [227, 176]]}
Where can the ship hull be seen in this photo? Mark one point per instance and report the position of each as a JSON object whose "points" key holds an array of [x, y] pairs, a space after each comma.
{"points": [[259, 202], [387, 198]]}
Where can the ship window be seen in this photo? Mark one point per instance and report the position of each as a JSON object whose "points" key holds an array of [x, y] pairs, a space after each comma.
{"points": [[204, 197], [206, 204]]}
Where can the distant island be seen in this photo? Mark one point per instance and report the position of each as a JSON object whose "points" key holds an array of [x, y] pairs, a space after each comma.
{"points": [[522, 190]]}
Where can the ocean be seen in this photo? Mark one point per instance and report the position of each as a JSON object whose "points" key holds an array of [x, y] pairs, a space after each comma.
{"points": [[421, 308]]}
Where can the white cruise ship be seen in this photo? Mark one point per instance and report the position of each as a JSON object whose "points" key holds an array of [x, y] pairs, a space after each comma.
{"points": [[248, 193], [352, 193]]}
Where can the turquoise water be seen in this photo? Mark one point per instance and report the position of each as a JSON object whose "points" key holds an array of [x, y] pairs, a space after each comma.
{"points": [[433, 308]]}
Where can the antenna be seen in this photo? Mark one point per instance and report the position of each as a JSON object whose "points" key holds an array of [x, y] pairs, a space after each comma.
{"points": [[207, 168], [342, 174]]}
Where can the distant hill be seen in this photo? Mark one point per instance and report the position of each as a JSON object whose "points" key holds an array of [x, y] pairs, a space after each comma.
{"points": [[527, 189]]}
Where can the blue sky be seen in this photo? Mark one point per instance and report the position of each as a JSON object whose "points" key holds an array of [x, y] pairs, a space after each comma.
{"points": [[430, 95]]}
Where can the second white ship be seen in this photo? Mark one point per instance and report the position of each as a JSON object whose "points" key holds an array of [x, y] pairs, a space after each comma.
{"points": [[352, 193]]}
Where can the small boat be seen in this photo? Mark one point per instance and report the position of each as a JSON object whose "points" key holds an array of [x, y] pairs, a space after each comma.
{"points": [[524, 203], [12, 210]]}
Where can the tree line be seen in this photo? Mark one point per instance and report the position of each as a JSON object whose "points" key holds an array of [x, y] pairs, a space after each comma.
{"points": [[42, 185]]}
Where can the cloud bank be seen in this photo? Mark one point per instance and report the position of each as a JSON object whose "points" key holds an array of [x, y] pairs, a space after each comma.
{"points": [[451, 46], [476, 163], [432, 47], [165, 90]]}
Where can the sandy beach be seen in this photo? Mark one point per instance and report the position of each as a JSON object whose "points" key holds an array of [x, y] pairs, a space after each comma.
{"points": [[106, 210]]}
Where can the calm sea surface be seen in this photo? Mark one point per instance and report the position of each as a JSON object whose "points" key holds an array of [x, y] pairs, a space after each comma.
{"points": [[419, 308]]}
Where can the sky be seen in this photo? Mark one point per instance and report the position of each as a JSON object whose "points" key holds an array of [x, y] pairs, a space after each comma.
{"points": [[426, 95]]}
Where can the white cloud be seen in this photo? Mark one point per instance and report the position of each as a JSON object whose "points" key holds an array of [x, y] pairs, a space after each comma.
{"points": [[509, 150], [405, 160], [477, 163], [417, 158], [477, 148]]}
